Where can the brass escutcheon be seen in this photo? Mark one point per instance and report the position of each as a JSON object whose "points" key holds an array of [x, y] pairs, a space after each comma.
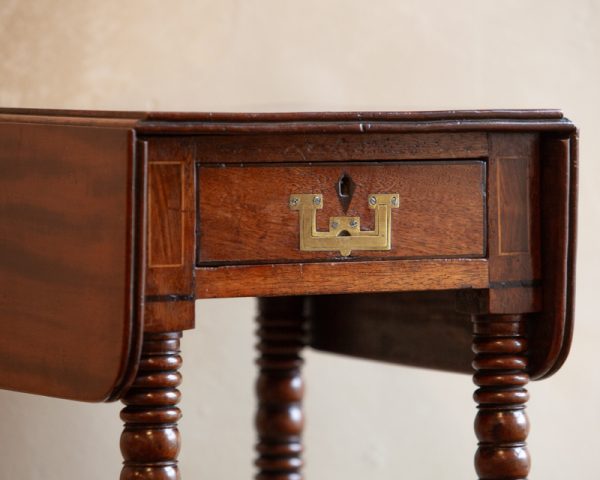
{"points": [[344, 234]]}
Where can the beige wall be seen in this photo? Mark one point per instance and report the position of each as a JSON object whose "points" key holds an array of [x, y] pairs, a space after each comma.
{"points": [[365, 420]]}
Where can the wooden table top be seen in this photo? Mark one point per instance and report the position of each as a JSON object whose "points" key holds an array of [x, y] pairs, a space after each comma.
{"points": [[113, 223]]}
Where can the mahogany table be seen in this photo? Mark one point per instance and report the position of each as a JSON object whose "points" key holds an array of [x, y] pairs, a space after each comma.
{"points": [[379, 235]]}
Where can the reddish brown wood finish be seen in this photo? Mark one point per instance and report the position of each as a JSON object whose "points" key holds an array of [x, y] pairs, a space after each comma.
{"points": [[150, 441], [70, 259], [164, 314], [322, 122], [279, 388], [559, 229], [302, 148], [514, 223], [372, 136], [347, 277], [422, 329], [72, 210], [249, 117], [169, 301], [245, 215], [501, 424]]}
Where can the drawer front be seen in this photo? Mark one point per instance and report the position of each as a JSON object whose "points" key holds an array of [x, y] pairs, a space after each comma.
{"points": [[252, 214]]}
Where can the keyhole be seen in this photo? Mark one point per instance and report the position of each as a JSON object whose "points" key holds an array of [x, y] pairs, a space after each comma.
{"points": [[344, 186], [345, 190]]}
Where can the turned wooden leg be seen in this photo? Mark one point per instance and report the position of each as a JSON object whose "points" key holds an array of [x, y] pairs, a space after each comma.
{"points": [[501, 424], [279, 419], [150, 440]]}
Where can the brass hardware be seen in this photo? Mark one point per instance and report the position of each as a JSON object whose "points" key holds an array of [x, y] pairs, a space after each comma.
{"points": [[344, 234]]}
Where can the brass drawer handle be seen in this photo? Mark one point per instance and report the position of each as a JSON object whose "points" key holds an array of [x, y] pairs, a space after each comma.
{"points": [[344, 234]]}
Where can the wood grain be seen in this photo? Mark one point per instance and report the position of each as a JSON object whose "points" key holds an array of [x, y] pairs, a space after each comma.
{"points": [[432, 115], [421, 329], [68, 268], [244, 214], [353, 127], [192, 123], [514, 222], [513, 208], [341, 277], [166, 209], [150, 441], [501, 424], [522, 144], [331, 148], [73, 251], [166, 314], [559, 177], [171, 237], [504, 299], [280, 388]]}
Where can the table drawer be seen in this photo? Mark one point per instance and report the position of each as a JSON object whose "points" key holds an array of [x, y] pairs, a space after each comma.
{"points": [[255, 213]]}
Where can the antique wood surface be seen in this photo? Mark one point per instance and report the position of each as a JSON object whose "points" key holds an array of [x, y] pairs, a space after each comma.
{"points": [[292, 148], [150, 440], [169, 301], [537, 288], [421, 329], [559, 229], [501, 424], [527, 267], [280, 388], [245, 217], [347, 277], [70, 260], [173, 123], [113, 223], [514, 223], [481, 114]]}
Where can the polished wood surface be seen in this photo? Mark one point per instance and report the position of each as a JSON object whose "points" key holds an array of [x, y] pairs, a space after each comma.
{"points": [[514, 223], [280, 388], [115, 222], [70, 260], [150, 440], [245, 215], [347, 276], [327, 148], [559, 174], [169, 300], [501, 424], [432, 115], [422, 329]]}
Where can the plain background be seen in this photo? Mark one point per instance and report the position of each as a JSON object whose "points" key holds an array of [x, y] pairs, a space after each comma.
{"points": [[365, 420]]}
